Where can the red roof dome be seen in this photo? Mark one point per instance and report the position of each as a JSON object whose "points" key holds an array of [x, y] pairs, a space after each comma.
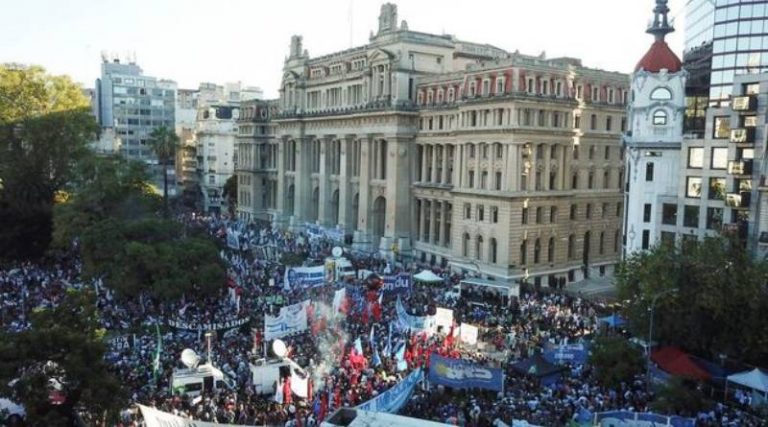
{"points": [[658, 57]]}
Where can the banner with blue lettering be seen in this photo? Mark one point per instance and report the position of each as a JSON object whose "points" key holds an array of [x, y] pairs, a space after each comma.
{"points": [[462, 374], [284, 324], [397, 284], [570, 353], [638, 419], [395, 398], [304, 277], [415, 323]]}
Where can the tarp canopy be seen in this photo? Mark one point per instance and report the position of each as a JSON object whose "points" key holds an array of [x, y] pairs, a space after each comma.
{"points": [[677, 362], [428, 277], [754, 379], [537, 366], [614, 320]]}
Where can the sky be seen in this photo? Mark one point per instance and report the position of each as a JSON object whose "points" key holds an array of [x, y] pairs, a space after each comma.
{"points": [[193, 41]]}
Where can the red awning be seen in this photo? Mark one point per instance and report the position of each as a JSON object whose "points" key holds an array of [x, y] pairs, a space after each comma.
{"points": [[677, 362]]}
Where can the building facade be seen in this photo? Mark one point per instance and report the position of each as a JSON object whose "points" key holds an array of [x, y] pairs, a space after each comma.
{"points": [[256, 166], [422, 146], [215, 135], [131, 105]]}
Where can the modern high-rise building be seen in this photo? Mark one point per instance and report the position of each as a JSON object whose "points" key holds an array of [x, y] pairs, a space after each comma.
{"points": [[132, 105], [428, 147], [738, 30]]}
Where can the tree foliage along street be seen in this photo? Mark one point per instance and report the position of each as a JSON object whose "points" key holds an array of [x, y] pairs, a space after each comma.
{"points": [[720, 304], [45, 126], [164, 143], [65, 344], [151, 255], [616, 361], [230, 193]]}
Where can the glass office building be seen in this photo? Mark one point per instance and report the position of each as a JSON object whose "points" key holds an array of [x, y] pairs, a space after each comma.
{"points": [[699, 22], [740, 43]]}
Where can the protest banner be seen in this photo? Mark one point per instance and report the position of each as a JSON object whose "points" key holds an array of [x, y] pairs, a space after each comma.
{"points": [[304, 277], [392, 400], [464, 374]]}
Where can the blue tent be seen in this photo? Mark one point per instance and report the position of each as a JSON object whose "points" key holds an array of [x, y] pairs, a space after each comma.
{"points": [[614, 320]]}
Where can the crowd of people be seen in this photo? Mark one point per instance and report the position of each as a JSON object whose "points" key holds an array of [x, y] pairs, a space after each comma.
{"points": [[351, 354]]}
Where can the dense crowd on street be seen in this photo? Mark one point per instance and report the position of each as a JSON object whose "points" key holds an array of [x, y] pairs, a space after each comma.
{"points": [[350, 354]]}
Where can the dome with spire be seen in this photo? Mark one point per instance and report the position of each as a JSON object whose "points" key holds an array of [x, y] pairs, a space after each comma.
{"points": [[660, 56]]}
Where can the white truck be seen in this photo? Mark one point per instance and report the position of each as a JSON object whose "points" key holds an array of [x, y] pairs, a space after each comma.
{"points": [[265, 374], [338, 269], [195, 381]]}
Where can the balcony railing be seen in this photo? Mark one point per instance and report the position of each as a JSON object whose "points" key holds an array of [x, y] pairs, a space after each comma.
{"points": [[743, 135], [741, 167], [744, 103], [738, 200]]}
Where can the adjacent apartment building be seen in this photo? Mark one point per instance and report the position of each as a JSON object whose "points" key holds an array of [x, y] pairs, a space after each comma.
{"points": [[430, 147]]}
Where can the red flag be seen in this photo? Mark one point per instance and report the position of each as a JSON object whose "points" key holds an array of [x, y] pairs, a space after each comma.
{"points": [[309, 390], [323, 407], [287, 396], [376, 310]]}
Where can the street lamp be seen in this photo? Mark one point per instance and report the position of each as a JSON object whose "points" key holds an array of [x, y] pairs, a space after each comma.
{"points": [[650, 336]]}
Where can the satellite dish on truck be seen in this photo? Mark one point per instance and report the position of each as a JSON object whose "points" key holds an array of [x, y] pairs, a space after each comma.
{"points": [[279, 348], [189, 358], [337, 252]]}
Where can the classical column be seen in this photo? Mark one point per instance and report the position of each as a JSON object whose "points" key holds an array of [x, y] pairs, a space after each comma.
{"points": [[513, 168], [345, 199], [546, 160], [444, 175], [443, 222], [281, 176], [422, 219], [365, 178], [433, 149], [324, 198], [399, 180], [303, 182], [433, 222], [423, 174]]}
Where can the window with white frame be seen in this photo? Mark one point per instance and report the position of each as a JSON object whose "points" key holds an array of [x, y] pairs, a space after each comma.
{"points": [[499, 85], [420, 98], [623, 96], [545, 87], [659, 118], [610, 96], [559, 89], [530, 88], [439, 96], [429, 97], [595, 94], [579, 92], [486, 87], [472, 88], [450, 95]]}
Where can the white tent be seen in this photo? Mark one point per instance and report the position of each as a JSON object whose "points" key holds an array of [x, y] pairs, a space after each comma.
{"points": [[428, 277], [754, 379]]}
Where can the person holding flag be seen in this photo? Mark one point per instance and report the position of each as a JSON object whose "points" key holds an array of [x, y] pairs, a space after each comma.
{"points": [[158, 349]]}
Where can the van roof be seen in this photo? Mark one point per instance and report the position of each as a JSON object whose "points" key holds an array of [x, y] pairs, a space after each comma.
{"points": [[488, 283]]}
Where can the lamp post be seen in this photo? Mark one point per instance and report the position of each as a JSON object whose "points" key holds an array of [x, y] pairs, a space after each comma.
{"points": [[650, 336]]}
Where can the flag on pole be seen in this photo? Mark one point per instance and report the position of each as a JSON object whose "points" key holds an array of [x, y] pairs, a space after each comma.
{"points": [[388, 347], [376, 357], [358, 346], [158, 350], [370, 338], [402, 365]]}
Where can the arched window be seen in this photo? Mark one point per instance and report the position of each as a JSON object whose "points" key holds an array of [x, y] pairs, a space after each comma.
{"points": [[661, 94], [537, 251], [659, 118], [479, 248], [524, 252], [465, 245], [551, 250], [493, 250]]}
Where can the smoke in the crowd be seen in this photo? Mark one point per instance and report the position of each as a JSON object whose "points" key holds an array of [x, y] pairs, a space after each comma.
{"points": [[328, 343]]}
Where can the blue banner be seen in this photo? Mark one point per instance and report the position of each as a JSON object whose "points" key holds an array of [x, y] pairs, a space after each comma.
{"points": [[414, 323], [458, 373], [571, 353], [395, 398], [644, 419], [304, 277], [397, 284]]}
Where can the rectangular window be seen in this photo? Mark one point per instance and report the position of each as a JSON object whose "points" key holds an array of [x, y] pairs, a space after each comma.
{"points": [[494, 214], [714, 218], [589, 211], [693, 187], [649, 172], [467, 211], [722, 127], [524, 219], [667, 238], [607, 153], [691, 216], [716, 189], [647, 212], [553, 215], [669, 214], [574, 211], [498, 181], [646, 239], [480, 213], [471, 179], [696, 157], [719, 158]]}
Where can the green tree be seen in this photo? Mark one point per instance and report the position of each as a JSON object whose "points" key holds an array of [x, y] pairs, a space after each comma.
{"points": [[681, 397], [719, 304], [64, 344], [45, 126], [615, 360], [102, 188], [151, 255], [164, 143], [230, 193]]}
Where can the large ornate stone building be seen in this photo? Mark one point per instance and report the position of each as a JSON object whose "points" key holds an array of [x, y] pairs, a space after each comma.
{"points": [[454, 152]]}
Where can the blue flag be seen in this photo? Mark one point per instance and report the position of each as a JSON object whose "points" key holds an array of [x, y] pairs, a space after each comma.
{"points": [[402, 365], [358, 346], [370, 338], [388, 347], [376, 357]]}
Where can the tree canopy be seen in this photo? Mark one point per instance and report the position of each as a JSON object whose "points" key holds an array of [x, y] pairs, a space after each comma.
{"points": [[720, 301], [45, 127], [65, 346]]}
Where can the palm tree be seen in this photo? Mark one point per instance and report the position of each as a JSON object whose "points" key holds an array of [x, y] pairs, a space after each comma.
{"points": [[164, 143]]}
